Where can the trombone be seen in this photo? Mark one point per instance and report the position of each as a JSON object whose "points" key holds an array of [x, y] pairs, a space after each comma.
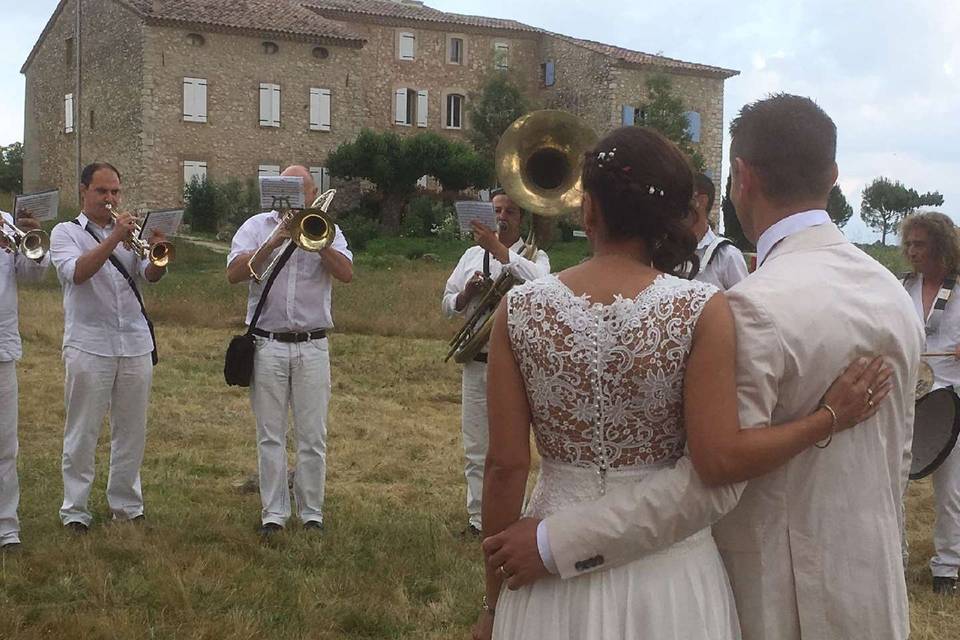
{"points": [[311, 229], [33, 244], [160, 254]]}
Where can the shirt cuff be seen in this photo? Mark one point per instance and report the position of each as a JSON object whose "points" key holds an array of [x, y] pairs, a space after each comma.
{"points": [[543, 546]]}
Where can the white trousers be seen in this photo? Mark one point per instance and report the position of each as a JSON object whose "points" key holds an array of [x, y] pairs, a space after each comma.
{"points": [[476, 435], [96, 385], [9, 484], [946, 529], [291, 376]]}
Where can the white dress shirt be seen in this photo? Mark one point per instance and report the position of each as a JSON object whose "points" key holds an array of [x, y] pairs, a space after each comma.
{"points": [[726, 267], [100, 316], [472, 261], [14, 267], [787, 227], [946, 370], [299, 299]]}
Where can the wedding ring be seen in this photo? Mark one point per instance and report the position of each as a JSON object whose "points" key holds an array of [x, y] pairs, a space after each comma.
{"points": [[502, 571], [870, 402], [869, 392]]}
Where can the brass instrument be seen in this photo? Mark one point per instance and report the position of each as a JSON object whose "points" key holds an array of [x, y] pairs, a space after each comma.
{"points": [[33, 244], [160, 254], [311, 229], [539, 164]]}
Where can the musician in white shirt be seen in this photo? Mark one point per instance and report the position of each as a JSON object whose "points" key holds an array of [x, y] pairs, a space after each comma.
{"points": [[107, 348], [721, 263], [292, 362], [494, 252], [930, 244], [13, 267]]}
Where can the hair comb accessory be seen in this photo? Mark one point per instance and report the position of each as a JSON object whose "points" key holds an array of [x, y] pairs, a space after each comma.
{"points": [[655, 191], [606, 156]]}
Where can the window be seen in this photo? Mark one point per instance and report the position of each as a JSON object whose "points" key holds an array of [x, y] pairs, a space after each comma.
{"points": [[194, 100], [270, 48], [693, 125], [454, 111], [195, 40], [194, 169], [268, 170], [321, 53], [501, 56], [407, 43], [455, 50], [321, 178], [269, 105], [68, 113], [633, 115], [319, 109], [548, 74], [410, 106], [68, 52]]}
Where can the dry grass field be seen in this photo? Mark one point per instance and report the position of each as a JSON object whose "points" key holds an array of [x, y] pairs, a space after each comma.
{"points": [[389, 564]]}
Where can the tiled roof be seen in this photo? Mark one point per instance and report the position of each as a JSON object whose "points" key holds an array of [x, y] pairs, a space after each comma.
{"points": [[413, 11], [276, 16], [647, 59]]}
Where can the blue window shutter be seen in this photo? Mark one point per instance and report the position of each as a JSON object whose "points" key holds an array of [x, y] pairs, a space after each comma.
{"points": [[628, 115], [550, 75], [693, 125]]}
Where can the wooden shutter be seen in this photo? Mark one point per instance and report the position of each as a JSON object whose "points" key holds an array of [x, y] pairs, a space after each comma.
{"points": [[320, 109], [629, 114], [68, 113], [549, 74], [422, 103], [194, 100], [400, 107], [408, 46]]}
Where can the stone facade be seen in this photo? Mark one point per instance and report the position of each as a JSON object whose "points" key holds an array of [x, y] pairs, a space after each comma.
{"points": [[129, 98]]}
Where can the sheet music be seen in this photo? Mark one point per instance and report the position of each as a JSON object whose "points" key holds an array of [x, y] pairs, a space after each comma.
{"points": [[287, 190], [42, 205], [470, 210], [167, 221]]}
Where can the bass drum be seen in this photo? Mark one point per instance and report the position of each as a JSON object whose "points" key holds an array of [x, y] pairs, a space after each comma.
{"points": [[936, 425]]}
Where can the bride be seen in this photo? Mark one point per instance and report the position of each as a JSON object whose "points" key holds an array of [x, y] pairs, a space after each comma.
{"points": [[617, 366]]}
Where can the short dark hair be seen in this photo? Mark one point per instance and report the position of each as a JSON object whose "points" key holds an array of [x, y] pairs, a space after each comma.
{"points": [[703, 185], [643, 185], [86, 176], [790, 142]]}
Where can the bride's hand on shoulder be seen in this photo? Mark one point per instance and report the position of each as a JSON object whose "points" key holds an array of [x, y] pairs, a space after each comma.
{"points": [[859, 391]]}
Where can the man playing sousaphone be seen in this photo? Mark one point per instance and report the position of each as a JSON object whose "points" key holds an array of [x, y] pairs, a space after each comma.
{"points": [[931, 245], [496, 251]]}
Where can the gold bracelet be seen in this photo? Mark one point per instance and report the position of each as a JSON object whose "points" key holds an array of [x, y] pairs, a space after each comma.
{"points": [[833, 426], [487, 608]]}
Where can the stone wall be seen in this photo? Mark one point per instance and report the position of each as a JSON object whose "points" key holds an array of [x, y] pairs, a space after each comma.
{"points": [[583, 82]]}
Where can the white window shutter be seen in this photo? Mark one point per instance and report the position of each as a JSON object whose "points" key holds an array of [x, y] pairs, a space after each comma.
{"points": [[320, 178], [200, 105], [68, 113], [266, 119], [194, 169], [275, 105], [188, 107], [325, 109], [422, 103], [314, 109], [408, 46], [400, 116]]}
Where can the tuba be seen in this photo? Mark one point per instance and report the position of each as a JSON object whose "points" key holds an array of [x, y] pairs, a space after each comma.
{"points": [[311, 229], [539, 163]]}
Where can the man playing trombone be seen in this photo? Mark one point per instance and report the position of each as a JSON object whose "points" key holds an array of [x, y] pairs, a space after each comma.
{"points": [[108, 347], [14, 265], [291, 367], [495, 251]]}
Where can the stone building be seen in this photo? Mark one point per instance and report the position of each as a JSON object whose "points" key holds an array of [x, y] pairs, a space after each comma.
{"points": [[170, 89]]}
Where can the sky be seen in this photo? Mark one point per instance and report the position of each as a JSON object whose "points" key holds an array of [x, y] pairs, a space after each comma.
{"points": [[886, 71]]}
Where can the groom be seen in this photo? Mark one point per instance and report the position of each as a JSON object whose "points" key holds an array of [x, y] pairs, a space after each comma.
{"points": [[812, 549]]}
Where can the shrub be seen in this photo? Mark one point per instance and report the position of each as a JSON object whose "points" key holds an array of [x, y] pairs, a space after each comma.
{"points": [[423, 215], [238, 200], [201, 211]]}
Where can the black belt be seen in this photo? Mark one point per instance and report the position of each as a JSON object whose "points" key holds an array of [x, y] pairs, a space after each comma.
{"points": [[480, 357], [291, 336]]}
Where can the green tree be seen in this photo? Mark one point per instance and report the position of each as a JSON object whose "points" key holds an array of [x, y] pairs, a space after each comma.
{"points": [[664, 111], [200, 208], [11, 168], [886, 202], [395, 163], [731, 223], [837, 206], [498, 103]]}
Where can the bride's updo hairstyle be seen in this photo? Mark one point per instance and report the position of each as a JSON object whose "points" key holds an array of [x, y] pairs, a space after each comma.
{"points": [[643, 185]]}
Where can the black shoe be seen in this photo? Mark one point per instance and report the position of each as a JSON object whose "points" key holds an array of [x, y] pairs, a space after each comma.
{"points": [[10, 547], [313, 525], [471, 532], [944, 586], [269, 529], [76, 528], [140, 519]]}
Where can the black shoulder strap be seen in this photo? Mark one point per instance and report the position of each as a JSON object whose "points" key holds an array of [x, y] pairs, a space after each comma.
{"points": [[486, 264], [136, 292], [266, 289]]}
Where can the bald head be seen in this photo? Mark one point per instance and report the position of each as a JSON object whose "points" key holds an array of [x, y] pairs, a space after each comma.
{"points": [[309, 187]]}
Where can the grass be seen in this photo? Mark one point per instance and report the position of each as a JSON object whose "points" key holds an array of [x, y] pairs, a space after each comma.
{"points": [[389, 564]]}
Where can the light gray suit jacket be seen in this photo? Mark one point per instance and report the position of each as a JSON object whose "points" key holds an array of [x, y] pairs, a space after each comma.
{"points": [[813, 549]]}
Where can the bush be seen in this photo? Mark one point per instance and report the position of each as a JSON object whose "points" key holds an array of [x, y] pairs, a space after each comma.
{"points": [[424, 214], [201, 211], [360, 225], [238, 200]]}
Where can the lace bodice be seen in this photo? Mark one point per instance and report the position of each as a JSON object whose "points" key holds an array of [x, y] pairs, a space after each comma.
{"points": [[605, 382]]}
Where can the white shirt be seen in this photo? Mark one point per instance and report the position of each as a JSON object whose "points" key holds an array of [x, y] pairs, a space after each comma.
{"points": [[946, 370], [787, 227], [13, 268], [299, 299], [472, 261], [100, 316], [727, 266]]}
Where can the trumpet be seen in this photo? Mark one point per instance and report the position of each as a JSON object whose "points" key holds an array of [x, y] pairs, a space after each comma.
{"points": [[311, 229], [160, 254], [33, 244]]}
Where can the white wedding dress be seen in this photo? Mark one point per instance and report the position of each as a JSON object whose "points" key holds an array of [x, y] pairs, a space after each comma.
{"points": [[605, 383]]}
